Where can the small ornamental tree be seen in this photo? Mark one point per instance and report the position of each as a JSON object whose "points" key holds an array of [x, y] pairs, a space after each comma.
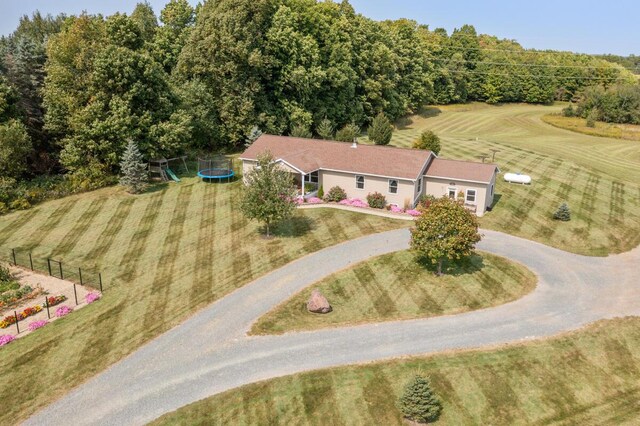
{"points": [[563, 213], [381, 130], [325, 129], [321, 192], [253, 135], [134, 173], [348, 133], [301, 131], [418, 401], [428, 140], [270, 194], [569, 111], [592, 117], [446, 230]]}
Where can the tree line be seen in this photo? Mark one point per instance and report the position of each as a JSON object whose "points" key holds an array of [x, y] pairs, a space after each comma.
{"points": [[75, 89]]}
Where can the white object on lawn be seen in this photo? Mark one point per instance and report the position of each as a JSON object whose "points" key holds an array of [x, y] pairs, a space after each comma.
{"points": [[517, 178]]}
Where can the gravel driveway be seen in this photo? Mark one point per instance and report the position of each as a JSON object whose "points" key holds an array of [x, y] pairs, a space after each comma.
{"points": [[210, 352]]}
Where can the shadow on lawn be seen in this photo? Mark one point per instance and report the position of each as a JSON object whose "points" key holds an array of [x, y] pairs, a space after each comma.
{"points": [[464, 266], [297, 226]]}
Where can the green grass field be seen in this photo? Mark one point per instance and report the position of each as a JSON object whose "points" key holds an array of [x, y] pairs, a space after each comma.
{"points": [[598, 177], [164, 255], [395, 287], [589, 377]]}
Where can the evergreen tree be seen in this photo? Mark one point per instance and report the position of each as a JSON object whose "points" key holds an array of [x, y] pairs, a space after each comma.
{"points": [[325, 129], [348, 133], [134, 173], [419, 402], [301, 131], [269, 194], [563, 213], [428, 140], [381, 130]]}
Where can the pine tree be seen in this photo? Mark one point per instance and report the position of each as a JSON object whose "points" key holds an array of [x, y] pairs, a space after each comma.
{"points": [[381, 130], [134, 174], [348, 133], [418, 402], [563, 213], [301, 131], [325, 129]]}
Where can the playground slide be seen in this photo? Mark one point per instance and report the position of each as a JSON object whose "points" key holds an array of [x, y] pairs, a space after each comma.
{"points": [[172, 175]]}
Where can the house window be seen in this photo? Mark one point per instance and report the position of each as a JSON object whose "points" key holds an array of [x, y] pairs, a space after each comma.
{"points": [[313, 177], [419, 186], [452, 193], [492, 190], [471, 196], [393, 186], [360, 182]]}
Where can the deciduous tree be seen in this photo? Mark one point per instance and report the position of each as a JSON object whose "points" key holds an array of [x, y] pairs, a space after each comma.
{"points": [[446, 230], [428, 140]]}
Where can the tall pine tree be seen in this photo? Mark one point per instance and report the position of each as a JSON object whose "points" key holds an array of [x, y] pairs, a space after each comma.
{"points": [[134, 173]]}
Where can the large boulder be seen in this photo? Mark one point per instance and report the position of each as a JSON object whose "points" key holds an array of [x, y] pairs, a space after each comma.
{"points": [[317, 303]]}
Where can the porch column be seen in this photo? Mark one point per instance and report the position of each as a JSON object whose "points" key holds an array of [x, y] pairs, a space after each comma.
{"points": [[302, 185]]}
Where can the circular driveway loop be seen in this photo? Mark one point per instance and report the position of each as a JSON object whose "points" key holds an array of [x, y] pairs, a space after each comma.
{"points": [[210, 352]]}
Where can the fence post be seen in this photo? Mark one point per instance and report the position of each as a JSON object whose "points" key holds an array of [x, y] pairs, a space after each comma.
{"points": [[80, 274], [17, 326], [75, 293], [31, 261], [13, 252], [100, 279], [49, 265], [60, 267], [46, 302]]}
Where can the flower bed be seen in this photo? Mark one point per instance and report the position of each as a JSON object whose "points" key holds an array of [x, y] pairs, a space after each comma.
{"points": [[37, 324], [5, 339], [413, 212], [27, 312], [315, 200], [92, 297], [354, 202], [63, 310], [396, 209], [55, 300]]}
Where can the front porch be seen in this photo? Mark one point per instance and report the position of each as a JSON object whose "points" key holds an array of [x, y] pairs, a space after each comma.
{"points": [[307, 184]]}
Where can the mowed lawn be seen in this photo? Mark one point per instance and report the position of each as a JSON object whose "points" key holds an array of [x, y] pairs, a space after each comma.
{"points": [[163, 255], [588, 377], [395, 286], [598, 177]]}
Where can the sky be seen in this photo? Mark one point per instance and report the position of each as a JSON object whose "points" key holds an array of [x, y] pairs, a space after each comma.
{"points": [[586, 26]]}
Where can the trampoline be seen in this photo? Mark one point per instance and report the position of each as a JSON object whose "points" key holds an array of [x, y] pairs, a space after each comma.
{"points": [[215, 169]]}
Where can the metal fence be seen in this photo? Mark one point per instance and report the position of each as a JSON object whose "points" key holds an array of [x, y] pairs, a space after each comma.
{"points": [[57, 268]]}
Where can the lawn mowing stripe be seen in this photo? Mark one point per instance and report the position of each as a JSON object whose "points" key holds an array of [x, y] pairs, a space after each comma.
{"points": [[262, 413], [421, 296], [589, 197], [498, 393], [242, 268], [319, 399], [444, 386], [620, 360], [382, 302], [203, 281], [100, 342], [49, 225], [16, 225], [137, 243], [616, 204], [109, 233], [164, 276], [376, 392], [72, 237]]}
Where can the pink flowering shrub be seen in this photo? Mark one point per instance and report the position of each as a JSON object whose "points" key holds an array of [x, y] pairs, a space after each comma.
{"points": [[63, 310], [92, 297], [413, 212], [5, 339], [396, 209], [38, 324], [299, 200], [353, 202], [315, 200]]}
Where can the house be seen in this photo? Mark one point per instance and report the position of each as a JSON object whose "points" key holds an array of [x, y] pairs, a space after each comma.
{"points": [[402, 175]]}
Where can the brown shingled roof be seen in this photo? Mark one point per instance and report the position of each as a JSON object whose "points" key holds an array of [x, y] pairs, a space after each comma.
{"points": [[462, 170], [309, 155]]}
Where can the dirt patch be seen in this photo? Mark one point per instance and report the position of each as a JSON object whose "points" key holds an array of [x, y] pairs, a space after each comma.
{"points": [[52, 286]]}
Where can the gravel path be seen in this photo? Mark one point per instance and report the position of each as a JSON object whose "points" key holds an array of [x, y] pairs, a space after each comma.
{"points": [[210, 352]]}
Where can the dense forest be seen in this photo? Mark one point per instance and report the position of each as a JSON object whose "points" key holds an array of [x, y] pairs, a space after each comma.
{"points": [[75, 89]]}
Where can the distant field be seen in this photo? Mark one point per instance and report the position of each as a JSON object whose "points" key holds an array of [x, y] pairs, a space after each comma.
{"points": [[598, 177], [164, 255], [395, 287], [589, 377], [611, 130]]}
